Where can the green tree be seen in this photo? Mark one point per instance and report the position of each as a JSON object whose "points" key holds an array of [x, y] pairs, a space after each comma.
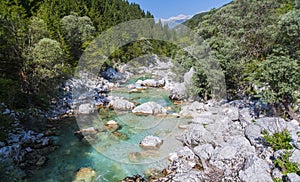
{"points": [[77, 31], [46, 65], [37, 30], [13, 37], [278, 76], [289, 34]]}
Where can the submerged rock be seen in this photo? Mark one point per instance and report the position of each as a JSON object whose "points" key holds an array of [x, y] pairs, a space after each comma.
{"points": [[88, 131], [41, 161], [149, 108], [119, 135], [85, 175], [138, 156], [151, 142]]}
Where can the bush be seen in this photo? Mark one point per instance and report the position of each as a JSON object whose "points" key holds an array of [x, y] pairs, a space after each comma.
{"points": [[279, 140], [286, 165]]}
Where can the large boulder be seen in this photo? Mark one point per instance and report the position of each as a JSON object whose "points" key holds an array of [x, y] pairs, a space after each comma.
{"points": [[119, 103], [255, 169], [85, 175], [293, 177], [151, 83], [253, 133], [149, 108], [112, 75], [192, 109], [86, 109], [196, 135], [187, 158], [151, 142], [178, 91]]}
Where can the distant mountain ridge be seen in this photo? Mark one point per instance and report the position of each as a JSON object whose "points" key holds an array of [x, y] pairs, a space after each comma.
{"points": [[175, 20]]}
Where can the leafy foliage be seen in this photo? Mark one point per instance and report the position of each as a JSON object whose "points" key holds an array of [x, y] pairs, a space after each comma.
{"points": [[46, 65], [279, 140], [40, 39], [279, 77], [257, 45], [286, 165]]}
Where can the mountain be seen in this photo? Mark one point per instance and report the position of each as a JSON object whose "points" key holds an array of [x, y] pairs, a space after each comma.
{"points": [[175, 20]]}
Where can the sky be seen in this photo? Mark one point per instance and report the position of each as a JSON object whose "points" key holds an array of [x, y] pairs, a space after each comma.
{"points": [[171, 8]]}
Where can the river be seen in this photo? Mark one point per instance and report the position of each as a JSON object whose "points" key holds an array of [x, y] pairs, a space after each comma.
{"points": [[112, 155]]}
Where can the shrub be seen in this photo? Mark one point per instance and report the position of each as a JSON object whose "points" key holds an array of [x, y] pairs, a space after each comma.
{"points": [[279, 140]]}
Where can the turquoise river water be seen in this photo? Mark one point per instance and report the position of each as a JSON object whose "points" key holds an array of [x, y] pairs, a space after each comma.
{"points": [[109, 154]]}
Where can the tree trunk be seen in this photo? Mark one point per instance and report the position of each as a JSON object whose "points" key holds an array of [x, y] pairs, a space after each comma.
{"points": [[290, 111]]}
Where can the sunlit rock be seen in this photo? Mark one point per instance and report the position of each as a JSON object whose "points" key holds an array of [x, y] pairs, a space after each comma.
{"points": [[151, 142], [85, 175], [112, 125], [149, 108]]}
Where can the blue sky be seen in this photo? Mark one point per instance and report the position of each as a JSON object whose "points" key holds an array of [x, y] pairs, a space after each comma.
{"points": [[169, 8]]}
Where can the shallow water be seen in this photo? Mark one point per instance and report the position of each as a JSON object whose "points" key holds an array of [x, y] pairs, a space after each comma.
{"points": [[107, 154]]}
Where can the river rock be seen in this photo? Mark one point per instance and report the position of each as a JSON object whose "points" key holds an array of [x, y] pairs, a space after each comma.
{"points": [[183, 160], [86, 109], [134, 91], [119, 135], [112, 75], [85, 175], [192, 109], [151, 142], [149, 108], [41, 161], [136, 178], [177, 91], [119, 103], [151, 83], [88, 131], [138, 156], [135, 156], [196, 135], [112, 125]]}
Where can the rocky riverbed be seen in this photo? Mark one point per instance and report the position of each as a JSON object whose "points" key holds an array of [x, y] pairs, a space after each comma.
{"points": [[134, 125]]}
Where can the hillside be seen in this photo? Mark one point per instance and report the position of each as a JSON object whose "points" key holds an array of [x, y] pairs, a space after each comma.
{"points": [[257, 45]]}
